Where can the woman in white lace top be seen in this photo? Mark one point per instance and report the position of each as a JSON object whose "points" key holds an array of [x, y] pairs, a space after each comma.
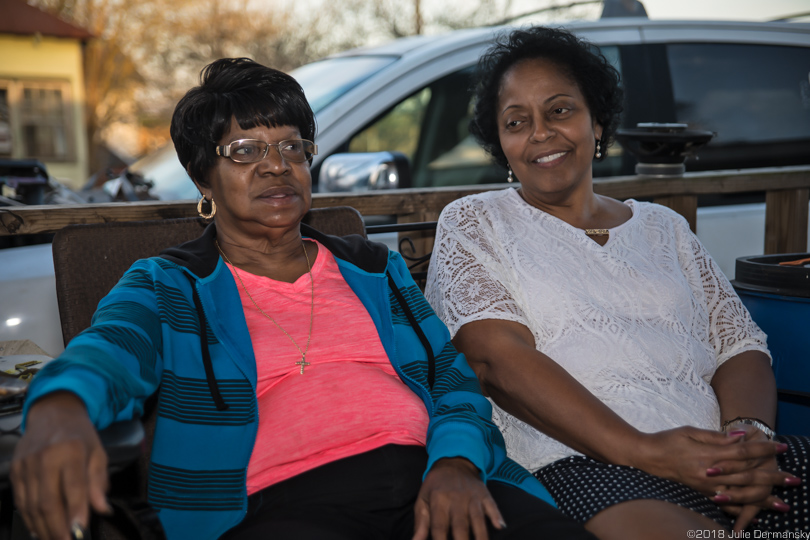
{"points": [[625, 371]]}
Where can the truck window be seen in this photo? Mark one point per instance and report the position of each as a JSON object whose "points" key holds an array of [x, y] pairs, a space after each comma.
{"points": [[398, 130], [756, 98], [743, 92], [431, 128]]}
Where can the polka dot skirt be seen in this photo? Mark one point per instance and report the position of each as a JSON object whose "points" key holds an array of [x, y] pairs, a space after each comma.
{"points": [[582, 487], [796, 461]]}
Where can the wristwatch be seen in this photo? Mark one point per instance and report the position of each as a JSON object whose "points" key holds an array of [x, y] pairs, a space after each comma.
{"points": [[756, 422]]}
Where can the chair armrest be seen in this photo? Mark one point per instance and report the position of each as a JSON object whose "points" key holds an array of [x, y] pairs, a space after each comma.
{"points": [[123, 442]]}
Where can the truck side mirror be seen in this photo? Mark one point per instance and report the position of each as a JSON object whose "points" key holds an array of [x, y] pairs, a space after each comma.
{"points": [[366, 171]]}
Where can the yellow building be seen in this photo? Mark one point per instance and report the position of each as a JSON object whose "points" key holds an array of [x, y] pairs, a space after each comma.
{"points": [[42, 91]]}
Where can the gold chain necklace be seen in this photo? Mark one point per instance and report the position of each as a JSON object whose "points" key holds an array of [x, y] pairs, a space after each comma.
{"points": [[303, 362]]}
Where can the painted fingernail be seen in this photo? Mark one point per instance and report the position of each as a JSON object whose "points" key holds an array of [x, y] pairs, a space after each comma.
{"points": [[714, 471], [503, 524], [782, 507], [736, 433], [792, 481], [721, 499], [77, 532], [781, 447]]}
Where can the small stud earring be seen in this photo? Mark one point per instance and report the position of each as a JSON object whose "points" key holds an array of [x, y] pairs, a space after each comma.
{"points": [[598, 154], [510, 178]]}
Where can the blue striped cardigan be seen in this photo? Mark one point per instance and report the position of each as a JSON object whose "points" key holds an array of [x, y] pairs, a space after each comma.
{"points": [[146, 336]]}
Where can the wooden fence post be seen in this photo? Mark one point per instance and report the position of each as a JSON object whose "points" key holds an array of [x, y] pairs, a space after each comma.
{"points": [[786, 214], [685, 205]]}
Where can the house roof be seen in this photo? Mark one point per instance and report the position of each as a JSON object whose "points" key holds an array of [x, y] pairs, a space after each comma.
{"points": [[22, 19]]}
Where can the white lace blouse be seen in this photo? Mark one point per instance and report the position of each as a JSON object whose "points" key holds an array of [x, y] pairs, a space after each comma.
{"points": [[643, 322]]}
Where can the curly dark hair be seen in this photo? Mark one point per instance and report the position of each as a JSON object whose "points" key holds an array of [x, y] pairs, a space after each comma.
{"points": [[581, 61], [235, 88]]}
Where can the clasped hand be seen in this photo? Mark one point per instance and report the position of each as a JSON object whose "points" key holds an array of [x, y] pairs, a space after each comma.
{"points": [[737, 470], [454, 499], [754, 484]]}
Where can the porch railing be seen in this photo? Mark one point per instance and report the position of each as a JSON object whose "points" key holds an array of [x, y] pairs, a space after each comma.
{"points": [[787, 192]]}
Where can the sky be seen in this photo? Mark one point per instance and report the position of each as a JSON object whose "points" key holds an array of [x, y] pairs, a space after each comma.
{"points": [[741, 10], [750, 10], [744, 10]]}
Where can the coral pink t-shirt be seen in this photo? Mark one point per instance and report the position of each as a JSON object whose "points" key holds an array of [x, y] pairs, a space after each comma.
{"points": [[349, 399]]}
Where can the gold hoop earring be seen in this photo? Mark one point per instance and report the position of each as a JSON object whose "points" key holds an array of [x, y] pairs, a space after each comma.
{"points": [[200, 210], [510, 178]]}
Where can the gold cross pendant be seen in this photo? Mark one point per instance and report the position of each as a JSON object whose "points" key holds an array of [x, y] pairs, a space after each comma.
{"points": [[303, 363]]}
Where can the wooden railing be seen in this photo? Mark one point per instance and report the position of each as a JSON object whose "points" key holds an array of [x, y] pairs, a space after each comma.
{"points": [[787, 194]]}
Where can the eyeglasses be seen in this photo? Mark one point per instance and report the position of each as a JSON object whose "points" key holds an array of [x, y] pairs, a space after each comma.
{"points": [[253, 150]]}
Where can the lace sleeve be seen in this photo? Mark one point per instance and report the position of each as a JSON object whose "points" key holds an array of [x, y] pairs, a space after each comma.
{"points": [[731, 328], [467, 274]]}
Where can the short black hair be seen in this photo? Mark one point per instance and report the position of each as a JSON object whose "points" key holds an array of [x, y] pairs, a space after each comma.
{"points": [[580, 60], [235, 88]]}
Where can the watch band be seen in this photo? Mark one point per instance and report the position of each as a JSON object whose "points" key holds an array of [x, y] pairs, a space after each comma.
{"points": [[756, 422]]}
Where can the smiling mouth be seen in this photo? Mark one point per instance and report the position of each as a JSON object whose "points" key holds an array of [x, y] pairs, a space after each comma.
{"points": [[550, 158]]}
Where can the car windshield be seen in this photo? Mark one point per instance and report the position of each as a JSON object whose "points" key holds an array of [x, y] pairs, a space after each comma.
{"points": [[326, 80]]}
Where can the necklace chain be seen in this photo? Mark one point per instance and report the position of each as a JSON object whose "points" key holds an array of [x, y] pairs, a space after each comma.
{"points": [[303, 362]]}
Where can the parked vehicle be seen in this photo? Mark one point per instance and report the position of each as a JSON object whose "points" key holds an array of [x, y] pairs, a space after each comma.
{"points": [[156, 176], [26, 181], [746, 81]]}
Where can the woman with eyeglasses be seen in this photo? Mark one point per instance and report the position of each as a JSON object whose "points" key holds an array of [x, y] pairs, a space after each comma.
{"points": [[304, 384]]}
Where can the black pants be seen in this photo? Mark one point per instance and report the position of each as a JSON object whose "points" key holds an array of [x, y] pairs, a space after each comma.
{"points": [[371, 496]]}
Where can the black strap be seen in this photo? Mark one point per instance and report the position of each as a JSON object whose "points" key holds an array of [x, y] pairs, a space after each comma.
{"points": [[418, 329], [213, 387], [132, 519]]}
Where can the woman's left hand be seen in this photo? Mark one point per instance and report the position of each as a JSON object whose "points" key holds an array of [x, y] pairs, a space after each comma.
{"points": [[755, 489], [454, 499]]}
